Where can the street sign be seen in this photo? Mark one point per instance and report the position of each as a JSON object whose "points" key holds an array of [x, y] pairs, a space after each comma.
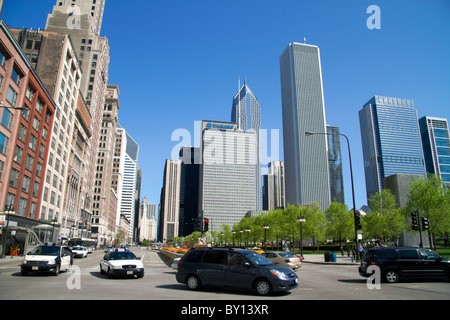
{"points": [[201, 240]]}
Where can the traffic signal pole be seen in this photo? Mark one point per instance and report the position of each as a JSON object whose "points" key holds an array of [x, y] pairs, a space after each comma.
{"points": [[415, 223]]}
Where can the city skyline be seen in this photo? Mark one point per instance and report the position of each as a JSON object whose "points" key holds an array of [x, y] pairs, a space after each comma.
{"points": [[162, 86]]}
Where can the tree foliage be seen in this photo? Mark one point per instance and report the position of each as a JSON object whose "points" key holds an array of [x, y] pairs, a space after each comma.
{"points": [[433, 202], [386, 220]]}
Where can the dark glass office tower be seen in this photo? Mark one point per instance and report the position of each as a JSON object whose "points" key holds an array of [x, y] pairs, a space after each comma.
{"points": [[390, 139], [335, 165], [305, 157], [191, 158]]}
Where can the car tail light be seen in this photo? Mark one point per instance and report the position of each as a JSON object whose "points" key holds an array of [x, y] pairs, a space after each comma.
{"points": [[179, 263]]}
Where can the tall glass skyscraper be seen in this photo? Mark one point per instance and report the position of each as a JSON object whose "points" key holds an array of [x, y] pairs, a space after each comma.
{"points": [[303, 109], [390, 140], [436, 146], [246, 113]]}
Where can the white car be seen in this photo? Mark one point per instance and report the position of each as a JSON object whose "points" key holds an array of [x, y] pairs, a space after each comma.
{"points": [[80, 251], [174, 264], [47, 259], [121, 263]]}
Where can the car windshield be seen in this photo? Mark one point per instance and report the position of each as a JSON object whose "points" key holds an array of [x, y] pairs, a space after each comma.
{"points": [[77, 248], [122, 256], [45, 251], [257, 259]]}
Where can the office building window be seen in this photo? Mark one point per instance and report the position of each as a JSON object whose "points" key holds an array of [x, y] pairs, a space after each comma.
{"points": [[3, 143], [7, 119], [13, 178], [11, 96]]}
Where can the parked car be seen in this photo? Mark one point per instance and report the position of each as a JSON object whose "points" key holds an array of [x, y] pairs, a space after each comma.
{"points": [[396, 263], [233, 268], [109, 249], [258, 250], [80, 252], [47, 259], [284, 258], [121, 263], [174, 264]]}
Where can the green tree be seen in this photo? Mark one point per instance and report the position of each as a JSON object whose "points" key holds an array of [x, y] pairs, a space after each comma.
{"points": [[386, 220], [340, 222], [433, 202], [314, 226]]}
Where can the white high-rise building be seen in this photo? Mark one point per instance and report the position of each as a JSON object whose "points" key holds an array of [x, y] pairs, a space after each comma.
{"points": [[274, 194], [228, 176], [128, 165], [303, 110], [82, 20], [169, 214], [147, 220]]}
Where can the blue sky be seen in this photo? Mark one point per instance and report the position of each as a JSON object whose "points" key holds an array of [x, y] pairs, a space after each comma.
{"points": [[178, 61]]}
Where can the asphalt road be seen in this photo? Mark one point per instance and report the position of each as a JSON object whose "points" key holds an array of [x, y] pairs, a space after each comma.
{"points": [[317, 282]]}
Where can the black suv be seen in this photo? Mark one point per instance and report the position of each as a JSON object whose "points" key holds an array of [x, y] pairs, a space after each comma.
{"points": [[402, 262], [234, 268]]}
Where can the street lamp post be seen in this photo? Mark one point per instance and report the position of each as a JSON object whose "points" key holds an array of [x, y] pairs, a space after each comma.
{"points": [[351, 177], [233, 232], [300, 220], [248, 231], [240, 238], [54, 223], [266, 227]]}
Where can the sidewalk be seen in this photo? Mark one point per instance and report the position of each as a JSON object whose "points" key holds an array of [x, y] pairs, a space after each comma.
{"points": [[320, 259], [9, 261]]}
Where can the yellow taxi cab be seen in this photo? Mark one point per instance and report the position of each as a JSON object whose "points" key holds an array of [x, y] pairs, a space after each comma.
{"points": [[258, 250]]}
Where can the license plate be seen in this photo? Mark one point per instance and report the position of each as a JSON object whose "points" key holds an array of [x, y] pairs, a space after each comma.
{"points": [[129, 272], [35, 268]]}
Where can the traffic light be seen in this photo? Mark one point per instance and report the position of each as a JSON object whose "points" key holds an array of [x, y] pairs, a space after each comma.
{"points": [[414, 222], [425, 224], [205, 224], [358, 221]]}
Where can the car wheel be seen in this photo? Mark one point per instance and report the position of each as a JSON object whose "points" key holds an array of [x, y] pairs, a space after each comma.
{"points": [[263, 287], [193, 282], [56, 271], [391, 276], [110, 273]]}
